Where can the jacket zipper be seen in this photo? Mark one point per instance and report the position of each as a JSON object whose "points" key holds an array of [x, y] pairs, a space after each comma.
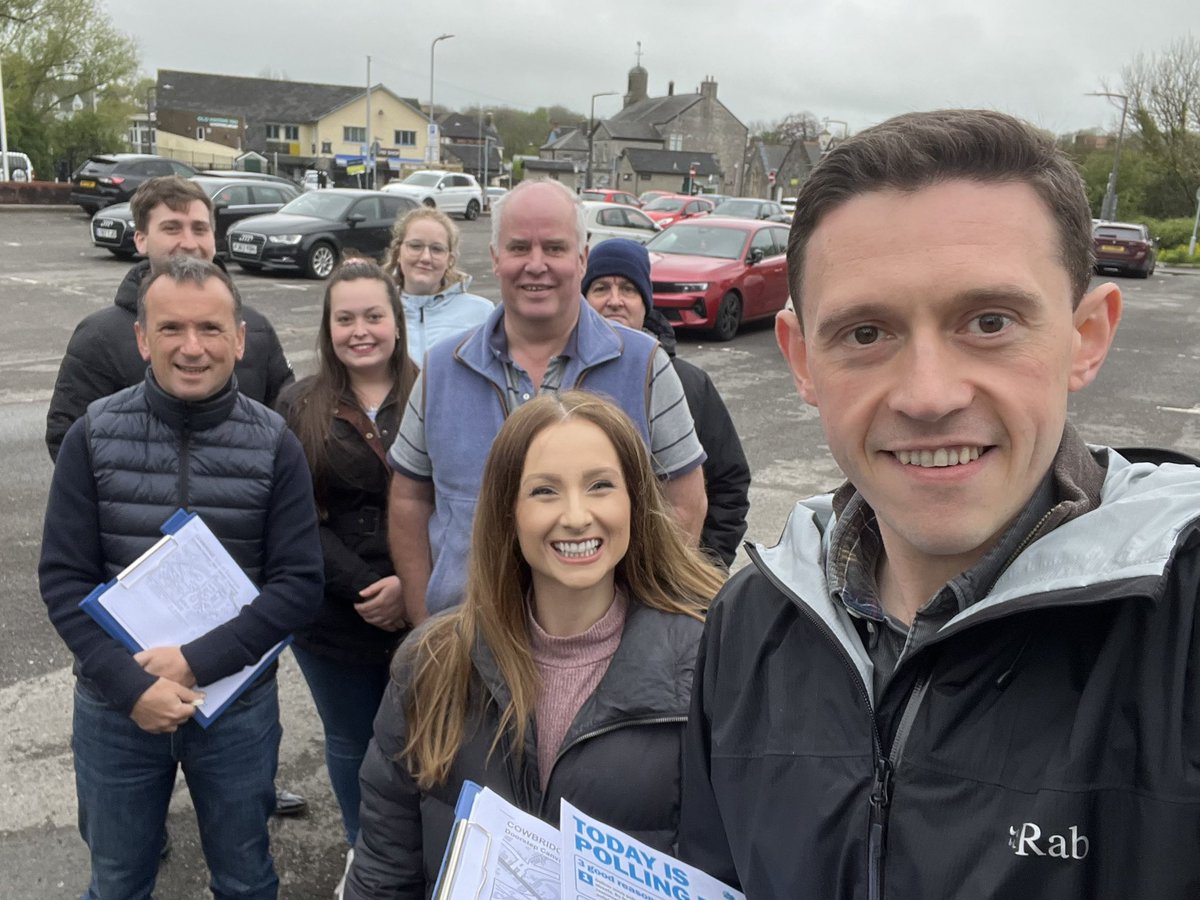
{"points": [[185, 449], [597, 732], [884, 765]]}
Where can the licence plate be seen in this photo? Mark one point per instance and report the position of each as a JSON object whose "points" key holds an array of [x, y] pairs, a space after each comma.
{"points": [[107, 233], [246, 249], [87, 184], [1111, 248]]}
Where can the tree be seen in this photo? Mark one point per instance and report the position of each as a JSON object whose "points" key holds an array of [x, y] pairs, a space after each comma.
{"points": [[53, 51], [524, 132], [798, 126], [1164, 103]]}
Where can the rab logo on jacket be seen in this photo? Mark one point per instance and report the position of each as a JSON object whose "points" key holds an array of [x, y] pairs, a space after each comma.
{"points": [[1026, 840]]}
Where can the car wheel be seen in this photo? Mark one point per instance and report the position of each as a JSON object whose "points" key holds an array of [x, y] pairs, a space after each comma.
{"points": [[321, 260], [429, 202], [90, 208], [729, 317], [472, 212]]}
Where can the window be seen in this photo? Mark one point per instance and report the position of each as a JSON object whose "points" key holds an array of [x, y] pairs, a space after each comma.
{"points": [[674, 141], [326, 146], [611, 217], [283, 132], [263, 194], [405, 138], [234, 195], [354, 134]]}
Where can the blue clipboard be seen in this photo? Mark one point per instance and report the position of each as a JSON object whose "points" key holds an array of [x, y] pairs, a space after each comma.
{"points": [[93, 605], [452, 860]]}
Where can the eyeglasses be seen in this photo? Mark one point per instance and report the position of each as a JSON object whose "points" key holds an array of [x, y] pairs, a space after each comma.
{"points": [[416, 248]]}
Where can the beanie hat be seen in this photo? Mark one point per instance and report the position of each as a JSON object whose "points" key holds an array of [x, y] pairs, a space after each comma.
{"points": [[619, 256]]}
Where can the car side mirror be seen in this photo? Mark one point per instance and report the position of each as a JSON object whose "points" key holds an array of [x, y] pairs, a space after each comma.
{"points": [[219, 205], [756, 255], [355, 218]]}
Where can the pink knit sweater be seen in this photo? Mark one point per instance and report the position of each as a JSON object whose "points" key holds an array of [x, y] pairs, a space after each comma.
{"points": [[570, 667]]}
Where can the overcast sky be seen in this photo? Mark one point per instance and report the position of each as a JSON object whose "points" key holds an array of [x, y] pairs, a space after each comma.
{"points": [[859, 61]]}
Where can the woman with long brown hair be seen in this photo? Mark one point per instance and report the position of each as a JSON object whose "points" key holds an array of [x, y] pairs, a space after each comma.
{"points": [[346, 416], [567, 670]]}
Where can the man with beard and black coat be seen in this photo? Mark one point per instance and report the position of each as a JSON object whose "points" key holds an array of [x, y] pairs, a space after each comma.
{"points": [[617, 285]]}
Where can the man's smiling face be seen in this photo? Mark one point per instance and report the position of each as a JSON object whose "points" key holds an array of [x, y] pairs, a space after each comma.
{"points": [[538, 257], [940, 345]]}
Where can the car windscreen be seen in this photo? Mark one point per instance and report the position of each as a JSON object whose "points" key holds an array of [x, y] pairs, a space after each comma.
{"points": [[742, 209], [592, 195], [664, 204], [423, 179], [320, 204], [98, 167], [1118, 234], [700, 240]]}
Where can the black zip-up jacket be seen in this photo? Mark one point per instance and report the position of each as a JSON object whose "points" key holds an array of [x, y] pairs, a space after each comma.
{"points": [[135, 458], [102, 358], [352, 504], [619, 762], [1047, 739]]}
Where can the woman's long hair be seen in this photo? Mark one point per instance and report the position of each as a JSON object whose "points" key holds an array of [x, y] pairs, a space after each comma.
{"points": [[659, 570], [400, 232], [311, 414]]}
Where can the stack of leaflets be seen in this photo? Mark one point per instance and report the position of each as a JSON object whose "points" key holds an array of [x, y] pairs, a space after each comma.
{"points": [[499, 852]]}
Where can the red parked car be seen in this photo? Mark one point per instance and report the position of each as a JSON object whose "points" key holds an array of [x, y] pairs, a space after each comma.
{"points": [[608, 195], [1125, 247], [717, 272], [673, 208]]}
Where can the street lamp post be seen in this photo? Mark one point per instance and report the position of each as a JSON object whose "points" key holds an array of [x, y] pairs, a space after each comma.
{"points": [[146, 134], [430, 149], [587, 180], [1108, 209]]}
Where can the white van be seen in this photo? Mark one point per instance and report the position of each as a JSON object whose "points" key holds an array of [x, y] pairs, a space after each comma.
{"points": [[19, 166]]}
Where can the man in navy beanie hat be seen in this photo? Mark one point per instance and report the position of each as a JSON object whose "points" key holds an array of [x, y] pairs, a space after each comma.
{"points": [[617, 285]]}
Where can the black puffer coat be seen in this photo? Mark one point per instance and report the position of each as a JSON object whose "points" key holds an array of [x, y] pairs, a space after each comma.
{"points": [[352, 503], [620, 760], [102, 358]]}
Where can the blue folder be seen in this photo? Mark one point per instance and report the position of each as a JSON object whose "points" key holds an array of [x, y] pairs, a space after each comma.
{"points": [[92, 605]]}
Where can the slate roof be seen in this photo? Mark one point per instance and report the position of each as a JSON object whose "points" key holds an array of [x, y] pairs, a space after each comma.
{"points": [[549, 165], [772, 155], [671, 162], [656, 110], [458, 127], [471, 157], [571, 139], [257, 100]]}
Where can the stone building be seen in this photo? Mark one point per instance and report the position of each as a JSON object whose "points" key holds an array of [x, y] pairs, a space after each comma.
{"points": [[691, 124]]}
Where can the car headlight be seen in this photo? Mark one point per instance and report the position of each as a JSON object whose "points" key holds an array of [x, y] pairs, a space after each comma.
{"points": [[692, 287], [129, 223], [284, 238]]}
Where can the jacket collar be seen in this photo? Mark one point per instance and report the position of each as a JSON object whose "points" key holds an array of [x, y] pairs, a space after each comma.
{"points": [[595, 338], [1131, 534], [648, 676], [184, 415], [127, 290]]}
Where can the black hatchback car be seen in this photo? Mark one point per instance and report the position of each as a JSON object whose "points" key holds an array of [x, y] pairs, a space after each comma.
{"points": [[317, 229], [233, 199], [105, 180]]}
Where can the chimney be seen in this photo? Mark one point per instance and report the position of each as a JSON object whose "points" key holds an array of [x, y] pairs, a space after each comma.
{"points": [[708, 88], [670, 89]]}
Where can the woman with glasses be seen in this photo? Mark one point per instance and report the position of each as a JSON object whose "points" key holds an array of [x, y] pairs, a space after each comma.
{"points": [[422, 260]]}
